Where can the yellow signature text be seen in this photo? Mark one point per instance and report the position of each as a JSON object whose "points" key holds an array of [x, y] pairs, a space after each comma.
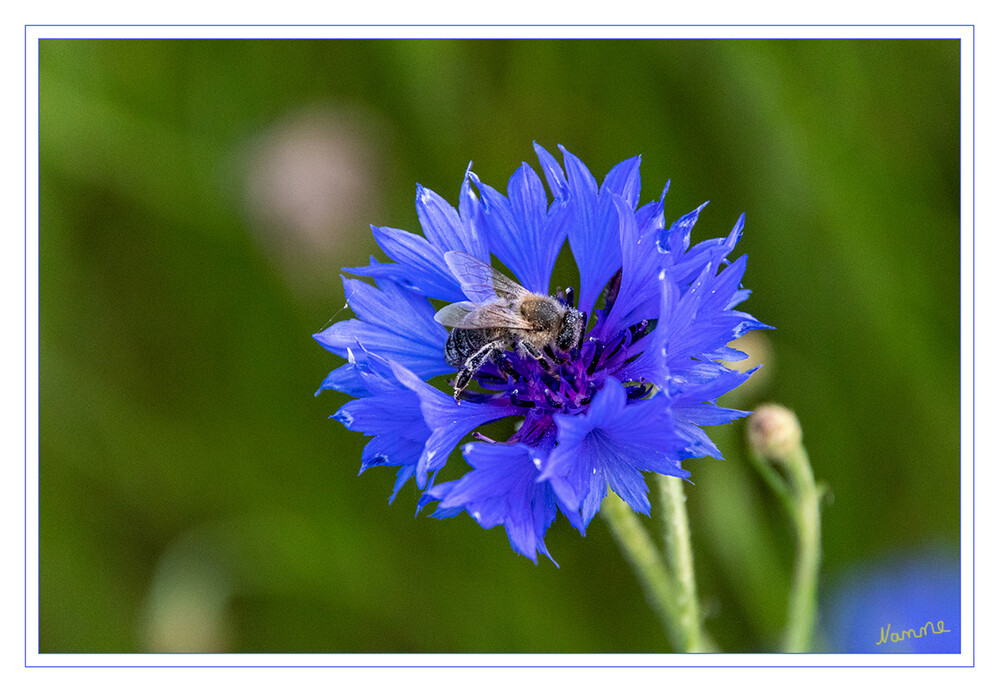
{"points": [[929, 628]]}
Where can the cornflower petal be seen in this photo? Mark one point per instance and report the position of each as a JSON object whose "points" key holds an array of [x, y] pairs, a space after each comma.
{"points": [[597, 252], [522, 234], [419, 265], [625, 181], [415, 342], [419, 259], [685, 267], [638, 294], [443, 226], [503, 489], [390, 414], [652, 365], [699, 325], [612, 444], [448, 420], [675, 240], [553, 174]]}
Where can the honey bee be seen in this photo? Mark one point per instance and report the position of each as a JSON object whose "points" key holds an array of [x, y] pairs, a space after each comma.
{"points": [[501, 315]]}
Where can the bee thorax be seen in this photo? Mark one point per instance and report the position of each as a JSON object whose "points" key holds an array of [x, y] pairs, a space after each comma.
{"points": [[542, 313]]}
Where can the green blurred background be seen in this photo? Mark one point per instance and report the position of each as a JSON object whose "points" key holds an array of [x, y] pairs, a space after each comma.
{"points": [[199, 197]]}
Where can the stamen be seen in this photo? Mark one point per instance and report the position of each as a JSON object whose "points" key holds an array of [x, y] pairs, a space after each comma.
{"points": [[617, 348], [486, 378], [569, 378], [550, 352], [613, 286], [552, 401], [638, 330], [517, 401], [507, 367], [550, 380], [639, 391], [598, 348]]}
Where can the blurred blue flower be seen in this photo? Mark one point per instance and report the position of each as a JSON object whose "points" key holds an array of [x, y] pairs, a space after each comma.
{"points": [[907, 604], [624, 387]]}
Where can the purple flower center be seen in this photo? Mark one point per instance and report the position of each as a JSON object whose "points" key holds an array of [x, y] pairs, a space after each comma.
{"points": [[559, 382]]}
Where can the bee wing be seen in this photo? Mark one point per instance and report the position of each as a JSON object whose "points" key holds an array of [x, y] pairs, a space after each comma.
{"points": [[492, 315], [480, 282], [452, 315]]}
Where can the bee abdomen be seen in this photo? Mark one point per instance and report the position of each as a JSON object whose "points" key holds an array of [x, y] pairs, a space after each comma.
{"points": [[460, 344], [452, 352]]}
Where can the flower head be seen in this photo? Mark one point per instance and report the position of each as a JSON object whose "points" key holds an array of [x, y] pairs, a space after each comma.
{"points": [[602, 390]]}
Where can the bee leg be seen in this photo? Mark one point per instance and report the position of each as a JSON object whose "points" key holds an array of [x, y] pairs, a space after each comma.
{"points": [[535, 354], [472, 365], [460, 382]]}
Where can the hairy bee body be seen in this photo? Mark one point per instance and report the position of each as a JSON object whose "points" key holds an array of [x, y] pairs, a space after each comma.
{"points": [[501, 315], [463, 343]]}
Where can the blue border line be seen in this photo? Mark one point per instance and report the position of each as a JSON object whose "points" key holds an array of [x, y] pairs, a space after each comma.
{"points": [[502, 26], [518, 666], [974, 505], [25, 353]]}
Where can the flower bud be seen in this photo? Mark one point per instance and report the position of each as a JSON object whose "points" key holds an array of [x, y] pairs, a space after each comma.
{"points": [[774, 432]]}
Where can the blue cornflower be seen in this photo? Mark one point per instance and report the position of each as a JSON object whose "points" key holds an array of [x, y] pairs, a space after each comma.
{"points": [[907, 603], [602, 391]]}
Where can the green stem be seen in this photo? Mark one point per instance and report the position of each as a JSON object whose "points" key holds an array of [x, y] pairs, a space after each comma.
{"points": [[647, 563], [680, 557], [669, 586], [774, 436], [802, 602]]}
